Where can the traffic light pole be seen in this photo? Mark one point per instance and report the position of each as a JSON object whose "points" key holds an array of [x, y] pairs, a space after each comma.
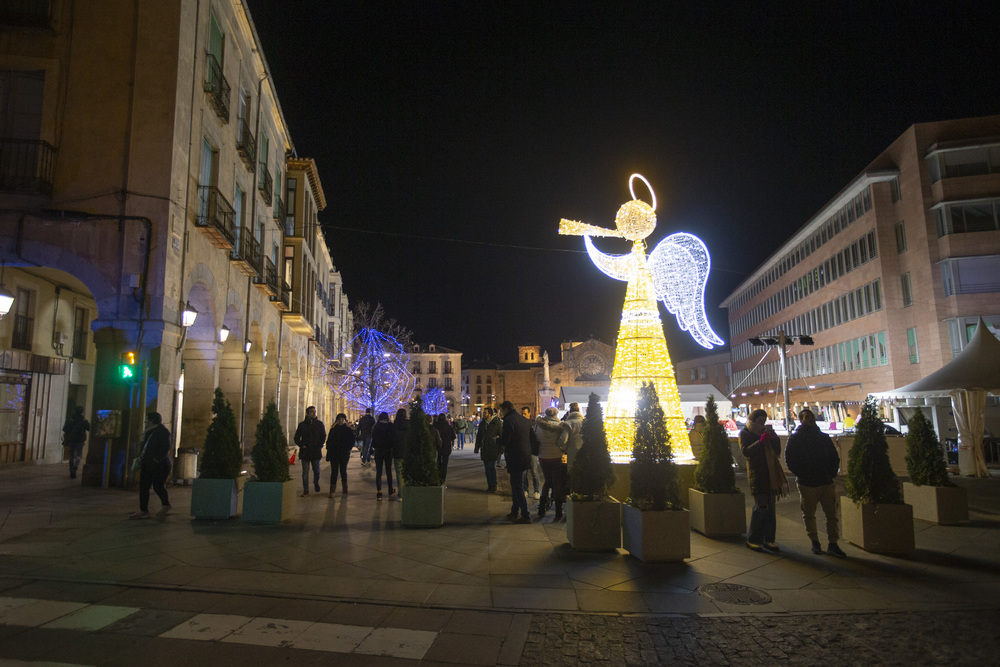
{"points": [[784, 380]]}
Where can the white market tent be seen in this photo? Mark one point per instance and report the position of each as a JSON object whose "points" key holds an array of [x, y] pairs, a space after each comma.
{"points": [[967, 379]]}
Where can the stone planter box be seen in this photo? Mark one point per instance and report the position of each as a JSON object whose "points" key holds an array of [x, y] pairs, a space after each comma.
{"points": [[423, 507], [269, 502], [594, 525], [718, 514], [943, 505], [656, 536], [880, 529], [217, 498]]}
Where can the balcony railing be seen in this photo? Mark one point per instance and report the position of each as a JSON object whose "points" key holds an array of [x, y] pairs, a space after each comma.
{"points": [[216, 217], [80, 339], [267, 281], [26, 166], [246, 253], [23, 327], [246, 144], [217, 88], [283, 301], [266, 184]]}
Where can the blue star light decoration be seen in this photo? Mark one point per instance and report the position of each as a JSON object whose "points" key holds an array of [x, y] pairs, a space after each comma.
{"points": [[377, 377], [434, 401]]}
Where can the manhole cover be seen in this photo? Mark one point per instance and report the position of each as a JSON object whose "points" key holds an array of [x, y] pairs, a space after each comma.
{"points": [[734, 594]]}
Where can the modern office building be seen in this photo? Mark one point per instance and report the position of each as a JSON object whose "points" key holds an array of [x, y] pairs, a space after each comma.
{"points": [[886, 281], [157, 229]]}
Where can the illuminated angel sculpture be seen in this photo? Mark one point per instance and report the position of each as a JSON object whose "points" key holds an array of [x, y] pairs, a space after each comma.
{"points": [[675, 273]]}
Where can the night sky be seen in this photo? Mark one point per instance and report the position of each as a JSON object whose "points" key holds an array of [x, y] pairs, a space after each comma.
{"points": [[451, 137]]}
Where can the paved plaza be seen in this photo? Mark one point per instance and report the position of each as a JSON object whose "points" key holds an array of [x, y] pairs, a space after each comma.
{"points": [[82, 584]]}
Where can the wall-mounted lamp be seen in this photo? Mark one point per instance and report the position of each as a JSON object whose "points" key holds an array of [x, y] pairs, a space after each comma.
{"points": [[188, 315], [265, 354], [248, 346], [6, 300], [223, 334]]}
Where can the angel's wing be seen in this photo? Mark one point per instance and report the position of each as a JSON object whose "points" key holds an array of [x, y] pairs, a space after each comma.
{"points": [[618, 267], [680, 266]]}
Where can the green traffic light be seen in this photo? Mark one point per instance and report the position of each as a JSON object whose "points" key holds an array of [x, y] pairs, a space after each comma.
{"points": [[127, 372]]}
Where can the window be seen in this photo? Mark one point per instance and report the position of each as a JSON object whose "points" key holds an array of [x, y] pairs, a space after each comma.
{"points": [[447, 384], [290, 207], [432, 367], [694, 374], [971, 275], [80, 333], [962, 218], [911, 341], [447, 367], [264, 175], [23, 321], [703, 373], [900, 237], [289, 265], [479, 379], [416, 368], [432, 382], [894, 189], [904, 282]]}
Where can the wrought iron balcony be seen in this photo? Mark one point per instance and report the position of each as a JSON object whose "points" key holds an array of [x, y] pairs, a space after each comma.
{"points": [[23, 329], [246, 144], [283, 301], [217, 88], [246, 253], [267, 281], [26, 166], [266, 183], [216, 217]]}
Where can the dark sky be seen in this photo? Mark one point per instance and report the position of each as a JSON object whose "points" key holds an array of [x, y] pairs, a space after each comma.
{"points": [[451, 137]]}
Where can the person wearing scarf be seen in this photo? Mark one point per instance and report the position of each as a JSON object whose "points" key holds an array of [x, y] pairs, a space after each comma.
{"points": [[761, 447]]}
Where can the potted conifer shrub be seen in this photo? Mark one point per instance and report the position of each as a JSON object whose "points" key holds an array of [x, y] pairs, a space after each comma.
{"points": [[933, 496], [217, 492], [655, 526], [424, 503], [717, 505], [876, 519], [269, 495], [593, 518]]}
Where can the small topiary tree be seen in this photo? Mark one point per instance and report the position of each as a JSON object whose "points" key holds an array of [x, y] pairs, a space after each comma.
{"points": [[592, 474], [870, 479], [714, 473], [653, 474], [270, 450], [924, 456], [419, 454], [222, 456]]}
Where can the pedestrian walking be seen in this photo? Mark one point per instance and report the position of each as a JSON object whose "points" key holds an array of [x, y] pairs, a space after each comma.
{"points": [[761, 447], [365, 426], [488, 447], [516, 443], [153, 465], [535, 471], [447, 434], [460, 425], [571, 440], [812, 457], [75, 437], [548, 430], [339, 444], [310, 436], [381, 444]]}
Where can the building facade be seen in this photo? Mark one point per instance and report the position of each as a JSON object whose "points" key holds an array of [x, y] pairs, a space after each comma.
{"points": [[436, 367], [885, 283], [710, 369], [144, 180]]}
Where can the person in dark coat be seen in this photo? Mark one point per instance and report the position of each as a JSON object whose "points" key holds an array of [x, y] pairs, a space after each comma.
{"points": [[75, 436], [399, 427], [339, 444], [516, 443], [488, 447], [447, 434], [812, 457], [365, 426], [154, 456], [310, 436], [761, 447], [382, 441]]}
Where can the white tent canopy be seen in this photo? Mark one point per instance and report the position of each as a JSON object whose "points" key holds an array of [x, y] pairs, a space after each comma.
{"points": [[967, 379]]}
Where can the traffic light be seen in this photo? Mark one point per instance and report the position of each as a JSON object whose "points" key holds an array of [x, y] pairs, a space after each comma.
{"points": [[127, 369]]}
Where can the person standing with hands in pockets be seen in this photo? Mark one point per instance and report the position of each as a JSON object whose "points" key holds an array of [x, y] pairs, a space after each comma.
{"points": [[761, 447]]}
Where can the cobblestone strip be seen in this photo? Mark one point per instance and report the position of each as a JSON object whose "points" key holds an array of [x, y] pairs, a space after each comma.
{"points": [[922, 638]]}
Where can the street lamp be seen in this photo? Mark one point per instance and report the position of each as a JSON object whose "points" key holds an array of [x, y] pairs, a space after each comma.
{"points": [[223, 334], [188, 315], [6, 300], [781, 342]]}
